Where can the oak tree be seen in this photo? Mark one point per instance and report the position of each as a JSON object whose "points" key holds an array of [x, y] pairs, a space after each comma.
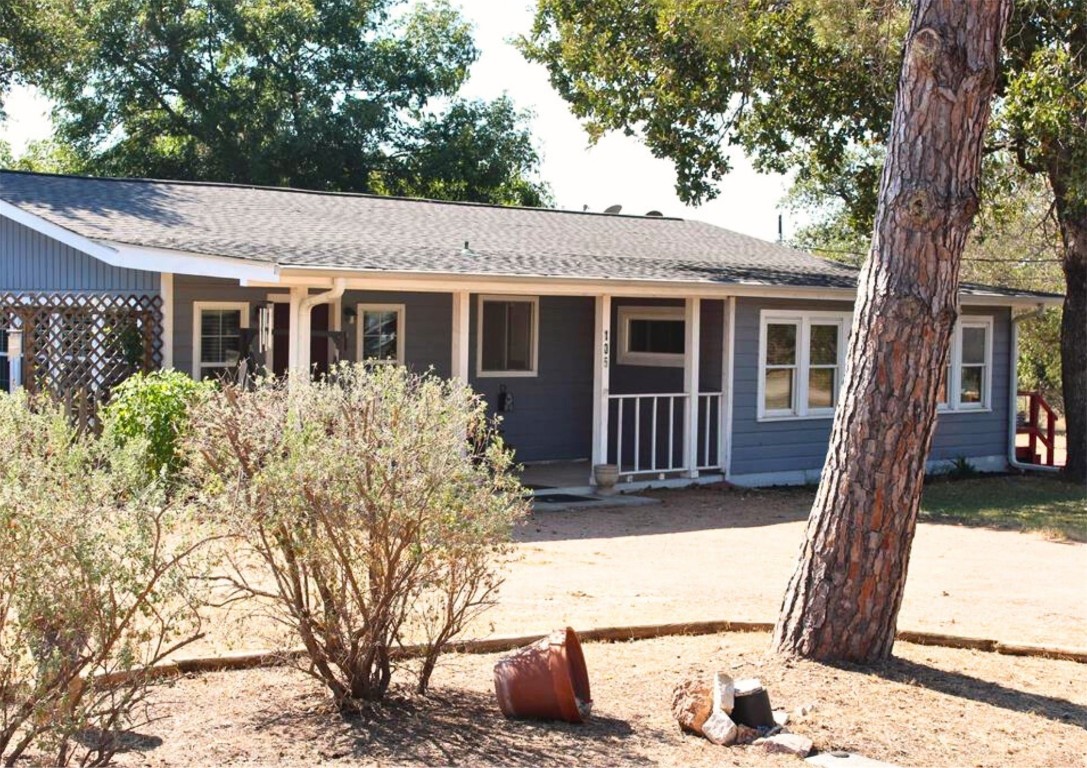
{"points": [[345, 95]]}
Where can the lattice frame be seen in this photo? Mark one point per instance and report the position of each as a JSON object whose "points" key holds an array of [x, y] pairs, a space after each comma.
{"points": [[78, 346]]}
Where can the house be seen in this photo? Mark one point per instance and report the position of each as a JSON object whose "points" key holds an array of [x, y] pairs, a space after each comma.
{"points": [[673, 348]]}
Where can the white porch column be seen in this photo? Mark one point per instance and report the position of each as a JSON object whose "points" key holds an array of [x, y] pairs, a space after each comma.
{"points": [[297, 336], [601, 381], [724, 451], [459, 365], [693, 334], [166, 291]]}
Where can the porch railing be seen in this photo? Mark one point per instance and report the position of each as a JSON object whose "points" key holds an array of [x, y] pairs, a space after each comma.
{"points": [[650, 431], [1038, 421]]}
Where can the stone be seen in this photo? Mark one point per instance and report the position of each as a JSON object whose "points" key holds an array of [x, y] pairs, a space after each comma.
{"points": [[724, 693], [803, 710], [745, 734], [786, 744], [781, 717], [720, 729], [692, 704]]}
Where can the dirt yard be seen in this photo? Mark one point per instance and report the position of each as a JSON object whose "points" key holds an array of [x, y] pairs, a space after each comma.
{"points": [[693, 556], [713, 554], [928, 707]]}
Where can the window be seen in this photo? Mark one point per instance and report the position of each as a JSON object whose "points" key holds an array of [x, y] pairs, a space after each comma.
{"points": [[968, 376], [801, 359], [651, 336], [507, 336], [381, 333], [217, 336]]}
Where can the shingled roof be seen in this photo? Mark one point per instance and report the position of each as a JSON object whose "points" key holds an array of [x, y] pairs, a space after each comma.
{"points": [[304, 229]]}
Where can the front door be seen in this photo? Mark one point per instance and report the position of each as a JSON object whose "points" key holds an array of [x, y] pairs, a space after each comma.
{"points": [[319, 339]]}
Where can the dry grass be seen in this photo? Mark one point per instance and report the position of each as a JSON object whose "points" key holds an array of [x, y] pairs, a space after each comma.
{"points": [[930, 706]]}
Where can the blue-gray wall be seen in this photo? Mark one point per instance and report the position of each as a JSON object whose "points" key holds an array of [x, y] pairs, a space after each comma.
{"points": [[187, 290], [801, 444], [30, 261], [552, 417], [428, 319]]}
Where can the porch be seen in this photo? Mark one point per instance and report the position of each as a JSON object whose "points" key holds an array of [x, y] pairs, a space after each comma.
{"points": [[627, 379]]}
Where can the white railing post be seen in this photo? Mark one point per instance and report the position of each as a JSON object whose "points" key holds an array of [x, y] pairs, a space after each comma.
{"points": [[692, 341], [602, 384]]}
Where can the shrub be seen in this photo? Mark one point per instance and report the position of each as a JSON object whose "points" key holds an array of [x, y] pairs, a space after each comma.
{"points": [[154, 407], [94, 589], [379, 501]]}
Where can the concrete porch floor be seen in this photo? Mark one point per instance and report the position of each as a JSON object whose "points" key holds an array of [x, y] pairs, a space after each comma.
{"points": [[573, 477]]}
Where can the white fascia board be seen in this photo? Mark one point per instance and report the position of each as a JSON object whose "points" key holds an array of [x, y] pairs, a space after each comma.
{"points": [[1015, 302], [187, 263]]}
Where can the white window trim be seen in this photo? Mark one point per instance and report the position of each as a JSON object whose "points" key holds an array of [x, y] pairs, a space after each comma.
{"points": [[954, 402], [534, 368], [401, 318], [661, 359], [803, 320], [197, 308]]}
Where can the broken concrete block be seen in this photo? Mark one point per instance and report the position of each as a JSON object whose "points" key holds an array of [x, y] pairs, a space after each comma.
{"points": [[745, 734], [720, 729], [692, 704], [781, 717], [724, 693], [786, 744]]}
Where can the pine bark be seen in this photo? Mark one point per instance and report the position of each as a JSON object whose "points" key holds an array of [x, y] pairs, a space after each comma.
{"points": [[843, 600]]}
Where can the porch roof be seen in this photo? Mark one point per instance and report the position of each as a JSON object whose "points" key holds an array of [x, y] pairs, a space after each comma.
{"points": [[299, 229]]}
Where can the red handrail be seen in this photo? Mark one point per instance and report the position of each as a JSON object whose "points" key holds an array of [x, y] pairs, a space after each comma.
{"points": [[1036, 405]]}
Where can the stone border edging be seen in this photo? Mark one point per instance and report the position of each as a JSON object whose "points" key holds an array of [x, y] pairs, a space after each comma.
{"points": [[236, 661]]}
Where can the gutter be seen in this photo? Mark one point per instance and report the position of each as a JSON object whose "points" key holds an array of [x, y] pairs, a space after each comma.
{"points": [[1013, 395]]}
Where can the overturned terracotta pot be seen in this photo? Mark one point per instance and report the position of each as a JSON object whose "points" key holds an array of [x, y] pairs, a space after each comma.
{"points": [[546, 680]]}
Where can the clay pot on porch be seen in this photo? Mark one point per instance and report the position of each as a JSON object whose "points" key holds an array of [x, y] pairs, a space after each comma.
{"points": [[606, 476], [546, 680]]}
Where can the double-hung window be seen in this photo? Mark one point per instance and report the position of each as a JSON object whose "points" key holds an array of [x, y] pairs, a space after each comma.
{"points": [[217, 337], [381, 333], [652, 336], [507, 336], [801, 359], [968, 376]]}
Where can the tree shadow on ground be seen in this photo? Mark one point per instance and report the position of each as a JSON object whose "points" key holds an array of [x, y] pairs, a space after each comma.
{"points": [[679, 511], [975, 689], [462, 727]]}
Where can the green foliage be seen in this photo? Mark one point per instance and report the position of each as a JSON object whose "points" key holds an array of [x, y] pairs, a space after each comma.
{"points": [[960, 468], [320, 94], [153, 407], [379, 503], [95, 586]]}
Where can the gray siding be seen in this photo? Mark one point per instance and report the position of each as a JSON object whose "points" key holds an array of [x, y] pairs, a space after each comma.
{"points": [[981, 434], [552, 416], [428, 324], [30, 261], [801, 445], [188, 290]]}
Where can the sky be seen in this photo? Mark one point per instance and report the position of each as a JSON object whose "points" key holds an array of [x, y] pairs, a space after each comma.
{"points": [[618, 170]]}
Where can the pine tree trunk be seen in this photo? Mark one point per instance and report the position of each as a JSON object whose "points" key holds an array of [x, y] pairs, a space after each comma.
{"points": [[843, 600]]}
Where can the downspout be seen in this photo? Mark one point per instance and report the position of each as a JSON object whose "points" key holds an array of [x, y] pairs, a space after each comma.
{"points": [[339, 285], [1013, 395]]}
